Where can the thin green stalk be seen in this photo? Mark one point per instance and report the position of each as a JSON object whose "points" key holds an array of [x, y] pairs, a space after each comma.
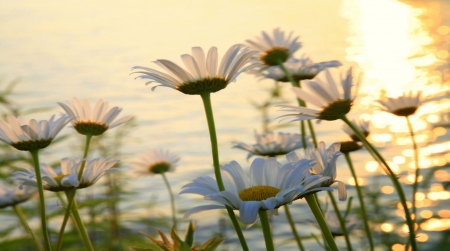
{"points": [[206, 98], [37, 169], [85, 154], [266, 230], [82, 229], [294, 231], [312, 203], [361, 202], [416, 161], [172, 201], [313, 134], [341, 221], [394, 180], [27, 228]]}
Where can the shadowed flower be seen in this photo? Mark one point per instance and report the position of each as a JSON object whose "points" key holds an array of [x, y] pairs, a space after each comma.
{"points": [[325, 95], [276, 49], [300, 69], [361, 125], [405, 105], [268, 187], [12, 198], [203, 74], [154, 161], [65, 177], [351, 223], [270, 145], [30, 135], [92, 121]]}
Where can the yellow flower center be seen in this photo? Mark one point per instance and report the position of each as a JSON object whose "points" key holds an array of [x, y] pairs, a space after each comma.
{"points": [[88, 127], [159, 167], [258, 193]]}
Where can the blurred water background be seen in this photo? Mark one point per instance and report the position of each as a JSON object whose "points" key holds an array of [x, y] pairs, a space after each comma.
{"points": [[85, 49]]}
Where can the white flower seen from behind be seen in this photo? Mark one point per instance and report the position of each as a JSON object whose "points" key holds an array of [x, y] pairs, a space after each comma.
{"points": [[154, 161], [405, 105]]}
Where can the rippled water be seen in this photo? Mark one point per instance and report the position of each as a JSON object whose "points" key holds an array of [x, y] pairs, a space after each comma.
{"points": [[86, 49]]}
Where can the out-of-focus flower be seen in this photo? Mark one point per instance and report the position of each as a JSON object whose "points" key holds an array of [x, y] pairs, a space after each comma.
{"points": [[155, 161], [12, 198], [203, 74], [405, 105], [268, 187], [325, 95], [275, 49], [93, 121], [30, 135], [268, 144], [65, 177], [351, 223], [179, 244], [361, 125]]}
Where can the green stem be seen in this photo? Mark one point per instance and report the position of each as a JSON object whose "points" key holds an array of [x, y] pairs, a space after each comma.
{"points": [[27, 228], [266, 230], [341, 221], [206, 98], [85, 154], [37, 169], [394, 180], [294, 231], [81, 227], [361, 202], [172, 201], [416, 161], [312, 203], [313, 134]]}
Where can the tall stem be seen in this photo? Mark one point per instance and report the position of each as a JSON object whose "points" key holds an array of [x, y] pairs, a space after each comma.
{"points": [[27, 228], [82, 229], [206, 98], [361, 202], [172, 201], [294, 230], [85, 154], [313, 134], [37, 169], [394, 180], [312, 203], [416, 161], [266, 230], [341, 221]]}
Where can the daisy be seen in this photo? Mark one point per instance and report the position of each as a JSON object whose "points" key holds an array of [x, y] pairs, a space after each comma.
{"points": [[300, 69], [405, 105], [202, 74], [351, 223], [268, 187], [325, 95], [12, 198], [361, 125], [93, 121], [155, 161], [270, 145], [276, 49], [325, 164], [30, 135], [65, 177]]}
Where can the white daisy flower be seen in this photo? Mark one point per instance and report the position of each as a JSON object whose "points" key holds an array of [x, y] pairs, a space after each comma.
{"points": [[351, 223], [12, 198], [268, 187], [65, 177], [93, 121], [267, 144], [276, 49], [361, 125], [155, 161], [300, 69], [405, 105], [325, 164], [30, 135], [325, 95], [203, 74]]}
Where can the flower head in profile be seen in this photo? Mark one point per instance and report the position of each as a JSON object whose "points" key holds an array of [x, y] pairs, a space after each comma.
{"points": [[275, 49], [351, 223], [30, 135], [325, 164], [203, 74], [323, 94], [268, 187], [362, 125], [95, 120], [405, 105], [300, 69], [12, 198], [155, 161], [65, 177], [267, 144]]}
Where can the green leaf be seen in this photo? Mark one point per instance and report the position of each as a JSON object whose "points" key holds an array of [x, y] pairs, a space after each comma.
{"points": [[189, 239]]}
